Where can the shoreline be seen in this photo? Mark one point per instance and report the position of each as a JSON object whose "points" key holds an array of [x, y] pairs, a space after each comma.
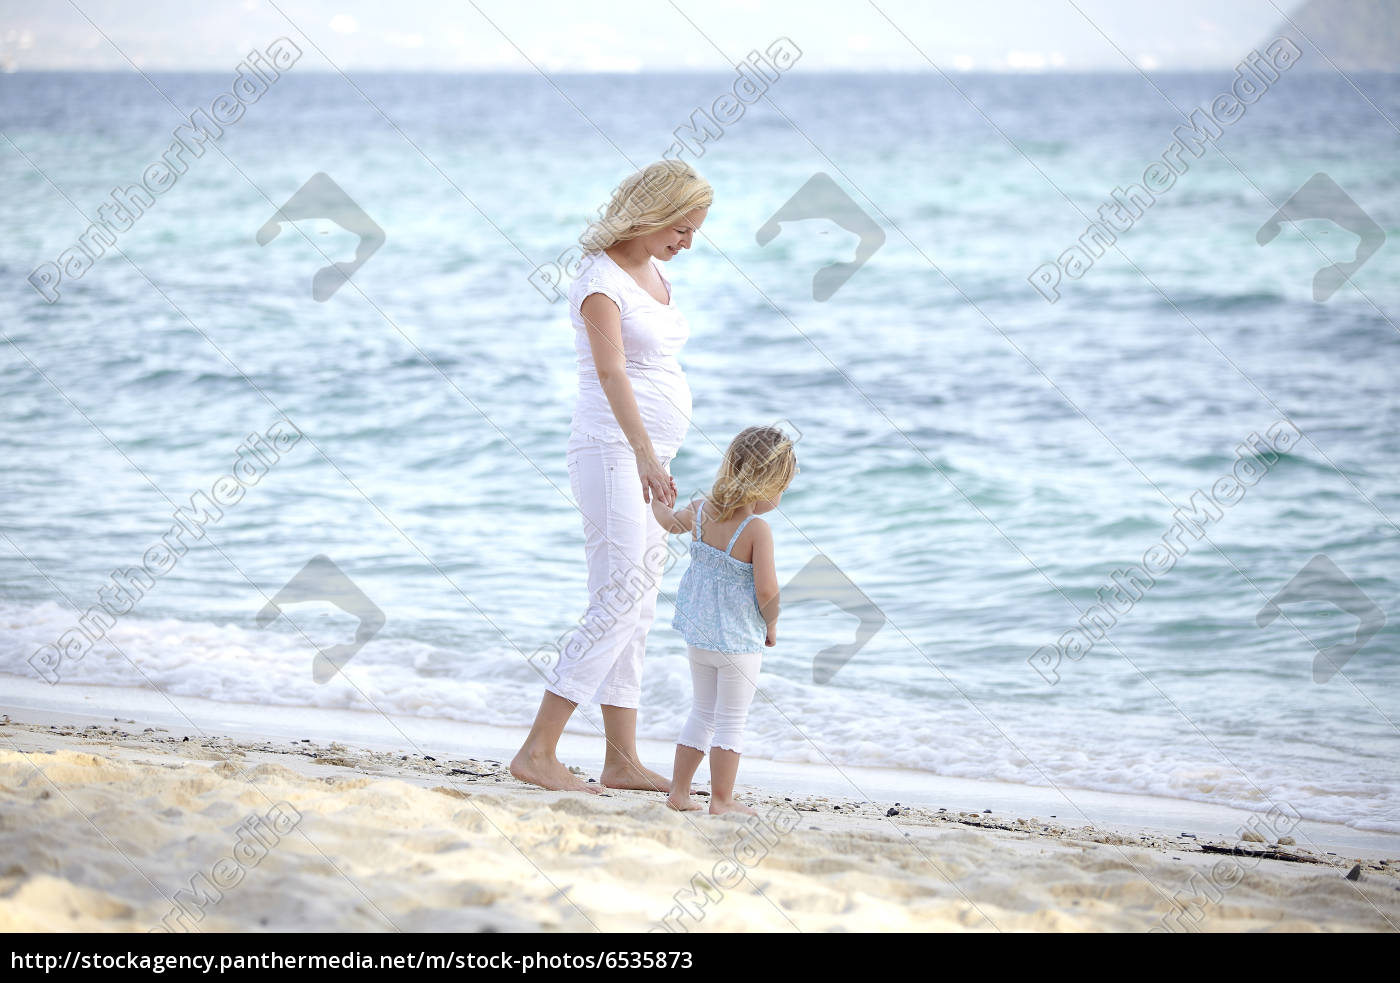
{"points": [[1123, 811], [344, 835]]}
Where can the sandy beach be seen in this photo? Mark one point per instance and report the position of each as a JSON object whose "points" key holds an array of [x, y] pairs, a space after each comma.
{"points": [[120, 826]]}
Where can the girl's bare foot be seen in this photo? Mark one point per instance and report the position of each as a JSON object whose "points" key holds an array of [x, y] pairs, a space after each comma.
{"points": [[686, 804], [733, 805], [549, 773], [634, 775]]}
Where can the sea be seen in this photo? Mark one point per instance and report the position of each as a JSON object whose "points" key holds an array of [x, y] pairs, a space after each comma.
{"points": [[1117, 516]]}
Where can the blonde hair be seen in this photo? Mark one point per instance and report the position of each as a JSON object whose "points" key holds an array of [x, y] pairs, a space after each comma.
{"points": [[648, 200], [759, 464]]}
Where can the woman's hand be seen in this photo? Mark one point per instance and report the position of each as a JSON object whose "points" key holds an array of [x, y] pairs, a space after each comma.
{"points": [[656, 481], [772, 638]]}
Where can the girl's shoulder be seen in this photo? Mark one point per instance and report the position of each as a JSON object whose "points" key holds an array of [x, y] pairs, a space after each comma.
{"points": [[753, 530], [758, 527]]}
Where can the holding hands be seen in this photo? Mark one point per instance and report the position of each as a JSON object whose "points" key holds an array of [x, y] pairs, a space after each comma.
{"points": [[657, 484]]}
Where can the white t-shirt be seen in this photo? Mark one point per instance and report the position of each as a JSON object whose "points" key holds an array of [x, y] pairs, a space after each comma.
{"points": [[653, 334]]}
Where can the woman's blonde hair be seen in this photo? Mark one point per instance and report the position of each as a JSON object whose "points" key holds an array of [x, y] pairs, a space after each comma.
{"points": [[759, 463], [648, 200]]}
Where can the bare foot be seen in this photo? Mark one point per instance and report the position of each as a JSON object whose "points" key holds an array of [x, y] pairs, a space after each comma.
{"points": [[733, 805], [548, 773], [686, 804], [634, 775]]}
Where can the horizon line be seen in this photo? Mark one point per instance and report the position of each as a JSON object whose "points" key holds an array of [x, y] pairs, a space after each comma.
{"points": [[53, 70]]}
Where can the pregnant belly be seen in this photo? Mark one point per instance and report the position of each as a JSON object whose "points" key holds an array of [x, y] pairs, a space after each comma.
{"points": [[663, 399]]}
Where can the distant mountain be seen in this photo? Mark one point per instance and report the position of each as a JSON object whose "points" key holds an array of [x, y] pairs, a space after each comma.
{"points": [[1357, 35]]}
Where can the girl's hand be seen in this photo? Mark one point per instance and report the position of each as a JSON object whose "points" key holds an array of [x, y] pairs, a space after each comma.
{"points": [[772, 638], [656, 481]]}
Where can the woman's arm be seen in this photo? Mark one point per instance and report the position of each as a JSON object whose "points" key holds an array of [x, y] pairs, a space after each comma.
{"points": [[604, 322], [765, 577]]}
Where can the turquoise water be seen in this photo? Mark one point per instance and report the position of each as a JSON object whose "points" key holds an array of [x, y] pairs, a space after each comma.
{"points": [[978, 461]]}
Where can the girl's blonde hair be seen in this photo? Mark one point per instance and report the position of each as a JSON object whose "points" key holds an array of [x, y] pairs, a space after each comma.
{"points": [[648, 200], [759, 463]]}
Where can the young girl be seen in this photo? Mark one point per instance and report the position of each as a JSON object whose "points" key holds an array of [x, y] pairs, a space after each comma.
{"points": [[727, 607]]}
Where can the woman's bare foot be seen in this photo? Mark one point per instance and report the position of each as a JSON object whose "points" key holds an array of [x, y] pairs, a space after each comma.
{"points": [[733, 805], [548, 773], [685, 804], [634, 775]]}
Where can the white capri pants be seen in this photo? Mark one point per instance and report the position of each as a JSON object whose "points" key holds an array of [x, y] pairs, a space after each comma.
{"points": [[601, 661], [724, 688]]}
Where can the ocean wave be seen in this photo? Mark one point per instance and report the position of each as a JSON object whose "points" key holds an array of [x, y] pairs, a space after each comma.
{"points": [[936, 731]]}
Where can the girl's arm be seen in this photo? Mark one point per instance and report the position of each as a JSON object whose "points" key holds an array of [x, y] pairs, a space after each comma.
{"points": [[604, 322], [765, 577], [681, 520]]}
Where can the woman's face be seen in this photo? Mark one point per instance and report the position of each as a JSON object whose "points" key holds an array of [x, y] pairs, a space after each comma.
{"points": [[667, 242]]}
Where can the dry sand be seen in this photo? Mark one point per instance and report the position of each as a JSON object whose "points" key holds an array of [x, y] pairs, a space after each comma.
{"points": [[104, 828]]}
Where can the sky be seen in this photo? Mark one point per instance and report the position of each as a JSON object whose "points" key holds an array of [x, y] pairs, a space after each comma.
{"points": [[632, 35]]}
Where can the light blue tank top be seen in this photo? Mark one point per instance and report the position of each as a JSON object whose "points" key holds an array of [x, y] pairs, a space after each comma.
{"points": [[716, 606]]}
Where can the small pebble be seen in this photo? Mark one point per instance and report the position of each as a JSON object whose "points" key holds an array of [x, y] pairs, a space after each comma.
{"points": [[1355, 873], [1249, 836], [1287, 841], [892, 812]]}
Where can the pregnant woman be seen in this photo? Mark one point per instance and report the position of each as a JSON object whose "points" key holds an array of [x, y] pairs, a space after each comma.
{"points": [[631, 416]]}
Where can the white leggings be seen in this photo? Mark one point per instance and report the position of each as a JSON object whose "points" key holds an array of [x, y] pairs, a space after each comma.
{"points": [[724, 688], [601, 662]]}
